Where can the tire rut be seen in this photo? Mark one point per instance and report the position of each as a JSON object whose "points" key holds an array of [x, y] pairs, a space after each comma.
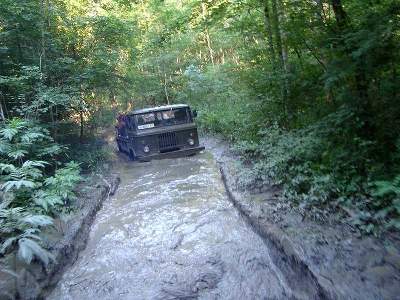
{"points": [[301, 280]]}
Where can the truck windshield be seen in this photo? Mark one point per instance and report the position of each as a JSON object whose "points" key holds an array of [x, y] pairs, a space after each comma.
{"points": [[162, 118]]}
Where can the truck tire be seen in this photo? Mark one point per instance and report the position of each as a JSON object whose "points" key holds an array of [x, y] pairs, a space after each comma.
{"points": [[131, 155]]}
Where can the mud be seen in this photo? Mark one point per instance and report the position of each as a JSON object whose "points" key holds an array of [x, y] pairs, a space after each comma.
{"points": [[341, 262], [176, 230], [170, 232]]}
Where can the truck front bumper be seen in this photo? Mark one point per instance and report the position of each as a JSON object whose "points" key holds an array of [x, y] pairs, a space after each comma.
{"points": [[172, 154]]}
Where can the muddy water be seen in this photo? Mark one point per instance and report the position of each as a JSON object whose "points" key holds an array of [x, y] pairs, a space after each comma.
{"points": [[171, 233]]}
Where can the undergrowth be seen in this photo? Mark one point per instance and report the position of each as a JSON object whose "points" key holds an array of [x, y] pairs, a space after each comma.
{"points": [[34, 189], [317, 171]]}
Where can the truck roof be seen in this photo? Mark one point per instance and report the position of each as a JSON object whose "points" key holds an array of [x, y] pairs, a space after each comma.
{"points": [[157, 108]]}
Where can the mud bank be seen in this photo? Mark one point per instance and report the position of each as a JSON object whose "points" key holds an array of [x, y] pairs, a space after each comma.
{"points": [[329, 261], [65, 242]]}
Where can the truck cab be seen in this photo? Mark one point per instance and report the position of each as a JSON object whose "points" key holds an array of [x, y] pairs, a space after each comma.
{"points": [[158, 132]]}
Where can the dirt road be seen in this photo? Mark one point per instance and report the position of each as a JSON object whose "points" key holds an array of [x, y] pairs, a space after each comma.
{"points": [[171, 233]]}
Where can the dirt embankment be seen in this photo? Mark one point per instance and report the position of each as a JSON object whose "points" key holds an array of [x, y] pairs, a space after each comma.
{"points": [[65, 242], [333, 259]]}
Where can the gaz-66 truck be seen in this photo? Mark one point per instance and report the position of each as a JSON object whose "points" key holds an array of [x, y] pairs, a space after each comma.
{"points": [[158, 132]]}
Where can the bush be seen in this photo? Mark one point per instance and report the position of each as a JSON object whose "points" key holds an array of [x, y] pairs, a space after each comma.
{"points": [[318, 172], [89, 155], [33, 190], [224, 105], [387, 202]]}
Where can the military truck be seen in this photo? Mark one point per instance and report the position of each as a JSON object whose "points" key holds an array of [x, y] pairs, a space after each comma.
{"points": [[158, 132]]}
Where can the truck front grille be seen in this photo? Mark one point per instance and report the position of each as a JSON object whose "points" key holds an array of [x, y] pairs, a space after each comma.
{"points": [[167, 141]]}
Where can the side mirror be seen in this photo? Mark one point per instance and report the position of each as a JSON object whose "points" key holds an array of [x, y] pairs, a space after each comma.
{"points": [[195, 113]]}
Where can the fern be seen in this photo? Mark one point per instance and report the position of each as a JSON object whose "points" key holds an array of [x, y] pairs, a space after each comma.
{"points": [[9, 133], [21, 177], [17, 184], [28, 248], [31, 137], [62, 183], [388, 188], [5, 147], [22, 139], [388, 201], [19, 230], [33, 194], [17, 154]]}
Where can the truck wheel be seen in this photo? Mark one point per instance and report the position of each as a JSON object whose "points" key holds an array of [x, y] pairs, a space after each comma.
{"points": [[131, 155]]}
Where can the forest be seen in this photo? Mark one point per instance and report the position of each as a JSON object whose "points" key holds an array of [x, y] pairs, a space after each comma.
{"points": [[305, 90]]}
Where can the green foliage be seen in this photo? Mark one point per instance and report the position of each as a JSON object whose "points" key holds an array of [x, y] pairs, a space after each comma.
{"points": [[91, 155], [387, 202], [20, 138], [321, 175], [62, 61], [30, 194], [58, 190], [306, 89], [19, 229], [220, 103]]}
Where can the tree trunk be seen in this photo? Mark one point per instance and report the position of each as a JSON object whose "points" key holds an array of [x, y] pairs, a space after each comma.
{"points": [[81, 118], [207, 34], [43, 49], [2, 112], [268, 28], [281, 18], [281, 54], [340, 13], [3, 106], [165, 88], [210, 50], [55, 124], [320, 14], [52, 122], [277, 32], [81, 124]]}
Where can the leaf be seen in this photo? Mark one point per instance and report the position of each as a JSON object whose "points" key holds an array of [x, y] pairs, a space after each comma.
{"points": [[46, 200], [25, 251], [17, 184], [37, 220], [36, 163], [29, 249], [4, 147], [50, 150], [7, 168], [17, 154], [7, 243], [8, 133], [31, 137], [30, 232]]}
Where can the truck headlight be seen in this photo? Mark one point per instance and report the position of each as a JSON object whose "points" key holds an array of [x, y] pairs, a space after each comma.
{"points": [[190, 142], [146, 149]]}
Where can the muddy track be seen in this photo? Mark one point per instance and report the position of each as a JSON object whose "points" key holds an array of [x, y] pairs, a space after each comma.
{"points": [[170, 232], [174, 230], [301, 280]]}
